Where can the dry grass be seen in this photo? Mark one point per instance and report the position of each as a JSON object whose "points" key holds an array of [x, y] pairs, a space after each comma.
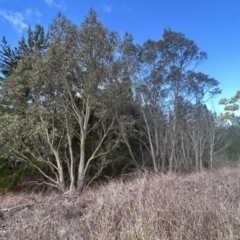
{"points": [[196, 206]]}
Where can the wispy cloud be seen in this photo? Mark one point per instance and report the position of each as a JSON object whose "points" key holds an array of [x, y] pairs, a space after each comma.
{"points": [[61, 5], [107, 8], [29, 12], [16, 18], [49, 2]]}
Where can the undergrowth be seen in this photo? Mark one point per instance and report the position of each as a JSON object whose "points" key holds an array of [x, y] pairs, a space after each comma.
{"points": [[151, 207]]}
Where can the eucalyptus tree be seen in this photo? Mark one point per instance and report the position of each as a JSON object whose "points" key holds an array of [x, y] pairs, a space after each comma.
{"points": [[200, 125], [88, 73], [151, 94], [138, 71], [68, 88], [180, 57], [86, 56], [163, 75], [126, 108]]}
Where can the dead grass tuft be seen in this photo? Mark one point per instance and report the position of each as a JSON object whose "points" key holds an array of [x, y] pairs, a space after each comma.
{"points": [[196, 206]]}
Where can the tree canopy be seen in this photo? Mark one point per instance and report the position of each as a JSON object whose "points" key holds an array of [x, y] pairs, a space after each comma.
{"points": [[81, 102], [231, 106]]}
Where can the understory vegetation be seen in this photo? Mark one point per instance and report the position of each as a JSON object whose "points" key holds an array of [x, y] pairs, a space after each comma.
{"points": [[154, 206]]}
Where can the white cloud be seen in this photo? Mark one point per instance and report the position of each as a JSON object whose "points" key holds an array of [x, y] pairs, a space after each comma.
{"points": [[107, 8], [62, 4], [49, 2], [29, 12], [16, 18]]}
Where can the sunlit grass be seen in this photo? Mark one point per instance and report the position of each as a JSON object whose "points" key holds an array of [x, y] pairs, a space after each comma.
{"points": [[196, 206]]}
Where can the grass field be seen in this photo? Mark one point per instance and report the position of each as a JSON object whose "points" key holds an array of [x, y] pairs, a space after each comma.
{"points": [[195, 206]]}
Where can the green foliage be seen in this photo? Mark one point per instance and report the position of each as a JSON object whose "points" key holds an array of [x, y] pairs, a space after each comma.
{"points": [[231, 106], [85, 104], [230, 134], [8, 181], [9, 57], [9, 174]]}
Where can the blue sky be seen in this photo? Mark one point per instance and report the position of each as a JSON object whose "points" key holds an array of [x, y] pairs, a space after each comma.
{"points": [[213, 24]]}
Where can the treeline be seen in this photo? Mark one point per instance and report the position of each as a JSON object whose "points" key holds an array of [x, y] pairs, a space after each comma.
{"points": [[81, 103]]}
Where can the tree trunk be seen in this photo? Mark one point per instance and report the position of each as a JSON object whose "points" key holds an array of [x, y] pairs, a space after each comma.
{"points": [[173, 147], [83, 125], [80, 181], [71, 167]]}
